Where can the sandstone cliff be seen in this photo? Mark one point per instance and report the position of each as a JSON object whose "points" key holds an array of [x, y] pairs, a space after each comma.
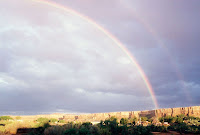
{"points": [[94, 117], [188, 111]]}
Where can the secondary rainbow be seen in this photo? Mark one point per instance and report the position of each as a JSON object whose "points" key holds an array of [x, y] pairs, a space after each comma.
{"points": [[161, 44], [113, 38]]}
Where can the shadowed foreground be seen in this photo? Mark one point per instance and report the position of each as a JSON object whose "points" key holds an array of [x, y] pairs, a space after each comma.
{"points": [[161, 121], [43, 126]]}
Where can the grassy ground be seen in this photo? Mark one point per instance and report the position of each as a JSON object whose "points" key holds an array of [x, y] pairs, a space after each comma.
{"points": [[12, 126]]}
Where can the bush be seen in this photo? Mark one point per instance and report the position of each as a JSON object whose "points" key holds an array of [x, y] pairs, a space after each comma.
{"points": [[5, 118], [144, 119], [133, 120], [182, 127], [140, 130], [123, 130], [104, 131], [71, 131], [53, 120], [124, 121], [83, 131], [54, 130], [42, 120], [87, 124], [61, 121], [94, 130]]}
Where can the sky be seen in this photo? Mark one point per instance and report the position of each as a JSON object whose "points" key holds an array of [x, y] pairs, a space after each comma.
{"points": [[52, 60]]}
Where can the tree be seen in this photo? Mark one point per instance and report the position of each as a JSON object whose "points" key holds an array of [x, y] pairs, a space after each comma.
{"points": [[83, 131], [173, 120], [179, 120], [140, 130], [134, 120], [162, 119], [113, 119], [87, 124], [104, 131], [71, 131], [182, 127], [124, 121], [112, 124], [54, 130], [168, 119]]}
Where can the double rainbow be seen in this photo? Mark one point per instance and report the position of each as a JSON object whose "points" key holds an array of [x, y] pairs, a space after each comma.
{"points": [[109, 35]]}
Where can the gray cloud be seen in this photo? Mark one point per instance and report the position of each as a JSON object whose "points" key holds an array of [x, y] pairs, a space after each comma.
{"points": [[54, 61], [66, 64]]}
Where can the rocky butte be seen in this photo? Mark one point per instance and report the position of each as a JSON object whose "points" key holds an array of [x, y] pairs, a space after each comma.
{"points": [[96, 117], [188, 111]]}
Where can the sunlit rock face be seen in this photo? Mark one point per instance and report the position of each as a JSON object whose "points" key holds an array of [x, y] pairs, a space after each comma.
{"points": [[96, 117], [188, 111]]}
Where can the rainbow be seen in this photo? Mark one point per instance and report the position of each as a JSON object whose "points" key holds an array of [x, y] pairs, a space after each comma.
{"points": [[113, 38], [161, 44]]}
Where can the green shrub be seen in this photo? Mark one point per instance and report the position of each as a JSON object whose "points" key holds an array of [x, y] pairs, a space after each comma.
{"points": [[5, 118], [54, 130], [42, 120], [94, 130], [71, 131], [140, 130], [83, 131], [104, 131], [124, 121], [182, 127], [87, 124], [61, 121], [53, 120], [144, 119]]}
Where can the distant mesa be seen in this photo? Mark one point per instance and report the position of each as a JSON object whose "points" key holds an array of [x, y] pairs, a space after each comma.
{"points": [[96, 117], [187, 111]]}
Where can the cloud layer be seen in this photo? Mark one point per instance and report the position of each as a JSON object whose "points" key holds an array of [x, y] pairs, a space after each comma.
{"points": [[54, 61]]}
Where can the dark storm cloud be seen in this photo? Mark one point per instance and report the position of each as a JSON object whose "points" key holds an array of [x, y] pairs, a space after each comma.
{"points": [[50, 69], [45, 65], [175, 25]]}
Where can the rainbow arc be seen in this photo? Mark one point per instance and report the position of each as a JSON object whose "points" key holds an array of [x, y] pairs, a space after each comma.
{"points": [[110, 36]]}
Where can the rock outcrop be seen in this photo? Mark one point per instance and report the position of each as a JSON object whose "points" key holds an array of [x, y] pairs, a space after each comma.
{"points": [[96, 117], [188, 111]]}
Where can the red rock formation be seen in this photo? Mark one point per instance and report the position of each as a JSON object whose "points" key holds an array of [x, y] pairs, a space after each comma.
{"points": [[188, 111]]}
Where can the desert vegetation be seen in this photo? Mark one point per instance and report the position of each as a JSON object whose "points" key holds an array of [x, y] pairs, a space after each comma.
{"points": [[112, 126]]}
